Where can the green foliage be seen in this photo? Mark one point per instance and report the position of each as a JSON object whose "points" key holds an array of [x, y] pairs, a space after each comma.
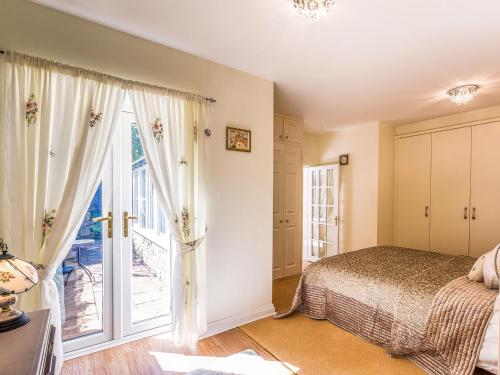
{"points": [[137, 151]]}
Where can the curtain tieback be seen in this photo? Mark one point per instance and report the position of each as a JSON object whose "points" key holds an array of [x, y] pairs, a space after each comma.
{"points": [[44, 272], [188, 247]]}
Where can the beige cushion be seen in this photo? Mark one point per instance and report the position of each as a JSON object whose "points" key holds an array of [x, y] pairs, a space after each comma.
{"points": [[491, 262], [476, 272]]}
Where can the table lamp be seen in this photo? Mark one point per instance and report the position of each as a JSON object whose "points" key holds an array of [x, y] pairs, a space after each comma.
{"points": [[16, 276]]}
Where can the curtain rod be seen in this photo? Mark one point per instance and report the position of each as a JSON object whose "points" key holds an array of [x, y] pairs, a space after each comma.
{"points": [[208, 99]]}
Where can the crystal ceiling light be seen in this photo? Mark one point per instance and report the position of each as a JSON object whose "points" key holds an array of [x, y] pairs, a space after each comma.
{"points": [[463, 94], [313, 9]]}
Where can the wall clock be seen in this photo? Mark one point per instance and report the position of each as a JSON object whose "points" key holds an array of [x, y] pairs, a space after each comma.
{"points": [[344, 159]]}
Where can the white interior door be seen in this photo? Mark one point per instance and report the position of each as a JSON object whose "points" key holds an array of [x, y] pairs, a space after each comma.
{"points": [[450, 191], [413, 171], [485, 189], [321, 212]]}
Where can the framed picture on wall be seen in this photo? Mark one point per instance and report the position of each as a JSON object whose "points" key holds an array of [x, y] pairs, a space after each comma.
{"points": [[238, 139]]}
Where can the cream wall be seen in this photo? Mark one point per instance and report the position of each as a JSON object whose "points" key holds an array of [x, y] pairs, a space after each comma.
{"points": [[240, 190], [310, 149], [358, 183], [366, 193]]}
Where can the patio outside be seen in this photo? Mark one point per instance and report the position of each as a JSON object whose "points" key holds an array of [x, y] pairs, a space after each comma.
{"points": [[83, 293]]}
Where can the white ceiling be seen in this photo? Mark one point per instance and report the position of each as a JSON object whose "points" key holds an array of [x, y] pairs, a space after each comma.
{"points": [[366, 61]]}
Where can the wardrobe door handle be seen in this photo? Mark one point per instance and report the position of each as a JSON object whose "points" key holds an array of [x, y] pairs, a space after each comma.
{"points": [[426, 211], [473, 213], [466, 216]]}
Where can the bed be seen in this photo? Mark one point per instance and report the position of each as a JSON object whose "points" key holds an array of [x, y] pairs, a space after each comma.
{"points": [[417, 304]]}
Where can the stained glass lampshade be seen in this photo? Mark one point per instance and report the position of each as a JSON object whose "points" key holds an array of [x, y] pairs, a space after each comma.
{"points": [[16, 276]]}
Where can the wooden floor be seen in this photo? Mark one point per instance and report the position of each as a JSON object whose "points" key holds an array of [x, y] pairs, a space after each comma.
{"points": [[158, 355]]}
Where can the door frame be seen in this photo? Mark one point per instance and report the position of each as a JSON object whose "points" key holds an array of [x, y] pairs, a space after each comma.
{"points": [[124, 315], [118, 327], [307, 203]]}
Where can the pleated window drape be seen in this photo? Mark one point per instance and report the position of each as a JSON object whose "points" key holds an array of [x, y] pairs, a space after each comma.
{"points": [[172, 134]]}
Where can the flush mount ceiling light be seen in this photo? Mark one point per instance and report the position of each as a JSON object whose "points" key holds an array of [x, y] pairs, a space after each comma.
{"points": [[313, 9], [463, 94]]}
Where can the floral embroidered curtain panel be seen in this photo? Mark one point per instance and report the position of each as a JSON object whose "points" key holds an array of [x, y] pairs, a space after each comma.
{"points": [[174, 151], [56, 129], [55, 133]]}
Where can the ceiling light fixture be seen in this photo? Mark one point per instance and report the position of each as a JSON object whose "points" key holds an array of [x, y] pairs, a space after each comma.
{"points": [[313, 9], [463, 94]]}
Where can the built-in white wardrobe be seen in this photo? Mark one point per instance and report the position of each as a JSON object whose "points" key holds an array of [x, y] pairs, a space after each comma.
{"points": [[448, 190], [287, 199]]}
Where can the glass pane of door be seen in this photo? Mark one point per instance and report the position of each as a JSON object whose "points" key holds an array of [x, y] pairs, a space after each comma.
{"points": [[80, 275], [147, 245], [321, 211], [84, 277]]}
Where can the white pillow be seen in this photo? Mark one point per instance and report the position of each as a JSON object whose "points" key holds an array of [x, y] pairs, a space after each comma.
{"points": [[491, 262], [476, 272]]}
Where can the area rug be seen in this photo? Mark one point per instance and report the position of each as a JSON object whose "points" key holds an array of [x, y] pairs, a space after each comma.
{"points": [[318, 347], [247, 362]]}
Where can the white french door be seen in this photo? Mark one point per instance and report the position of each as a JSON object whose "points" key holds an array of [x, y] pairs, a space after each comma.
{"points": [[321, 212], [115, 281], [145, 240]]}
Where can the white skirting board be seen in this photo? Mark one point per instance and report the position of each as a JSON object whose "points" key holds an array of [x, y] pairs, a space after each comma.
{"points": [[214, 328], [237, 320]]}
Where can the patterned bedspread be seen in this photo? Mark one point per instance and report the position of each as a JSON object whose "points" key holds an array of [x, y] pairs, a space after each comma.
{"points": [[417, 304]]}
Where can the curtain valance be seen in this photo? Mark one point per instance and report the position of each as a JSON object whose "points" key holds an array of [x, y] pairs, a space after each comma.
{"points": [[38, 62]]}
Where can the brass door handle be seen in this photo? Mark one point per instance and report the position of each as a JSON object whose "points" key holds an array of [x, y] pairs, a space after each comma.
{"points": [[473, 213], [426, 211], [126, 218], [466, 216], [109, 219]]}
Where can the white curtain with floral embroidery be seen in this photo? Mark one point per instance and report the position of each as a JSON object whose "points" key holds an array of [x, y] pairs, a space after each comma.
{"points": [[172, 133], [56, 126]]}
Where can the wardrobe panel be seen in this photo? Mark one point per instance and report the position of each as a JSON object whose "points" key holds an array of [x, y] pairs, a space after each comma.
{"points": [[413, 191], [278, 250], [278, 188], [293, 209], [485, 189], [450, 191], [292, 130], [278, 128]]}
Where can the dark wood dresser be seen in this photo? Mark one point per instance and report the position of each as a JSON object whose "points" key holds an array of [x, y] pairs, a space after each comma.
{"points": [[28, 350]]}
